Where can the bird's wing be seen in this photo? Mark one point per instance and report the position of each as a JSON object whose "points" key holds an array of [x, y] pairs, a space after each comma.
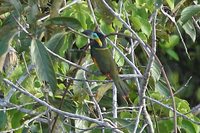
{"points": [[102, 57]]}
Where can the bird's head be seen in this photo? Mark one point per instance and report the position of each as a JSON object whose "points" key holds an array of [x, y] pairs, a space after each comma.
{"points": [[93, 36]]}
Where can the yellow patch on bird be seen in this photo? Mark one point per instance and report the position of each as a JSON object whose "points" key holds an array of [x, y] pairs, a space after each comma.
{"points": [[101, 48], [95, 62]]}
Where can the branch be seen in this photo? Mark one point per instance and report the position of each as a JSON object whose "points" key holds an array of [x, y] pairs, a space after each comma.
{"points": [[91, 94], [71, 115], [137, 119], [65, 60], [145, 80], [179, 32], [170, 108], [63, 8], [25, 124]]}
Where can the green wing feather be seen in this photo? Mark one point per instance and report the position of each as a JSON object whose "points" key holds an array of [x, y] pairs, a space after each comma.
{"points": [[104, 60]]}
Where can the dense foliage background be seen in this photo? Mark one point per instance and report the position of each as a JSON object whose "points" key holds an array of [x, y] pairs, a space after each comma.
{"points": [[50, 84]]}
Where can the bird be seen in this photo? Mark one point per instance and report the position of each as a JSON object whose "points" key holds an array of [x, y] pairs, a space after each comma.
{"points": [[103, 59]]}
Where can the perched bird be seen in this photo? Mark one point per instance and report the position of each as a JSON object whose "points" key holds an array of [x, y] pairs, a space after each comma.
{"points": [[102, 57]]}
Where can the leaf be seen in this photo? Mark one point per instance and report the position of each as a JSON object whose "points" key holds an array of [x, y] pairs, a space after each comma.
{"points": [[155, 71], [162, 88], [103, 11], [165, 125], [188, 126], [190, 29], [81, 41], [118, 59], [56, 42], [44, 66], [79, 88], [173, 41], [102, 90], [141, 24], [5, 39], [172, 54], [3, 119], [32, 13], [170, 3], [188, 12], [17, 4], [125, 123], [106, 28], [65, 21], [81, 124], [145, 26], [136, 22], [16, 120]]}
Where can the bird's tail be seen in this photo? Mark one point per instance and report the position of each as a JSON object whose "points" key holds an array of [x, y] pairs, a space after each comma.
{"points": [[122, 91]]}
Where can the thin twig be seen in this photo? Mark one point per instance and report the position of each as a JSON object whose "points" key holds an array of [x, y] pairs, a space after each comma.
{"points": [[196, 23], [133, 44], [170, 108], [183, 87], [92, 11], [85, 65], [68, 114], [137, 119], [179, 32], [143, 127], [26, 123], [63, 8], [145, 80], [65, 60], [19, 81]]}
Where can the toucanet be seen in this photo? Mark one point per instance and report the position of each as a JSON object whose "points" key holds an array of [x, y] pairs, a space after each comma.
{"points": [[103, 58]]}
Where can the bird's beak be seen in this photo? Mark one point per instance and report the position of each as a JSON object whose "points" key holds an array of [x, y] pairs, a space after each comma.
{"points": [[99, 42]]}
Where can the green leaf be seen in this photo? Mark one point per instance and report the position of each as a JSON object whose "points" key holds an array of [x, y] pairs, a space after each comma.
{"points": [[170, 3], [162, 88], [188, 12], [145, 26], [156, 71], [65, 21], [106, 28], [43, 63], [16, 120], [172, 54], [5, 39], [136, 22], [125, 123], [188, 126], [81, 41], [67, 44], [17, 4], [140, 2], [165, 125], [56, 42], [182, 106], [118, 59], [102, 90], [190, 29], [141, 24], [32, 13], [3, 119], [103, 11], [173, 41]]}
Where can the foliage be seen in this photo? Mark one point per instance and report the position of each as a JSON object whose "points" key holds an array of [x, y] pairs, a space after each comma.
{"points": [[42, 39]]}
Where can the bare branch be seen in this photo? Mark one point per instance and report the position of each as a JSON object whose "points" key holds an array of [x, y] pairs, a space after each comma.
{"points": [[70, 115], [60, 10], [179, 32], [65, 60], [170, 108]]}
